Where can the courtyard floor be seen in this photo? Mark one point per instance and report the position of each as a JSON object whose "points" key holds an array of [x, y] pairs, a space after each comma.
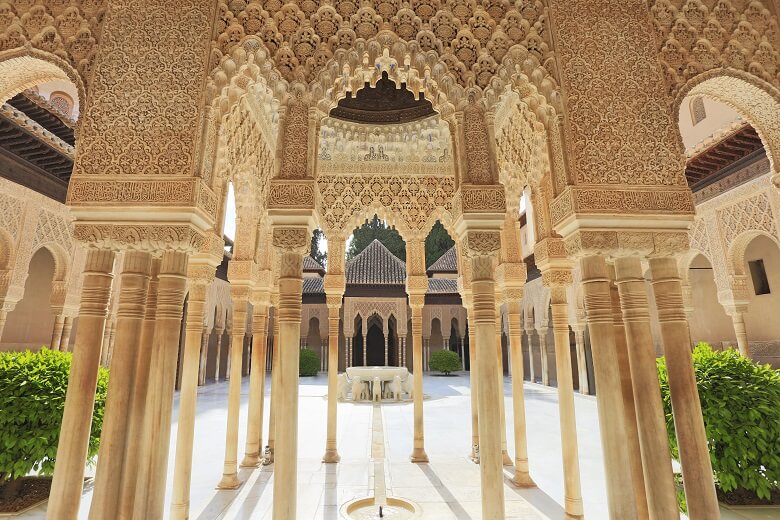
{"points": [[446, 488]]}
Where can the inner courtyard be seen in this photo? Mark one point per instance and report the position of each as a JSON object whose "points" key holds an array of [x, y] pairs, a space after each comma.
{"points": [[390, 258]]}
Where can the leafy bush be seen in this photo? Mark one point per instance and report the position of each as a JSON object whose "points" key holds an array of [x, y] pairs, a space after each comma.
{"points": [[309, 363], [740, 401], [32, 399], [444, 361]]}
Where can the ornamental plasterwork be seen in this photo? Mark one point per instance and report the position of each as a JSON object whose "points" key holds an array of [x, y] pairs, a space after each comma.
{"points": [[445, 314], [318, 311], [696, 36], [471, 37], [385, 148], [68, 29], [367, 307]]}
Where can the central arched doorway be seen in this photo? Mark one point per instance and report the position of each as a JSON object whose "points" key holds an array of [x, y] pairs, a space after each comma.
{"points": [[375, 353]]}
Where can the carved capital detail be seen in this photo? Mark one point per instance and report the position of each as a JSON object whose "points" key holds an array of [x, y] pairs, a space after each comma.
{"points": [[482, 243], [153, 238], [557, 278], [293, 240]]}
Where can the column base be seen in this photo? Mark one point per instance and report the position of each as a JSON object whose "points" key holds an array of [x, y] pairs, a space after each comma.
{"points": [[251, 460], [506, 459], [523, 480], [331, 457], [180, 511], [419, 456], [229, 482], [567, 516], [474, 455]]}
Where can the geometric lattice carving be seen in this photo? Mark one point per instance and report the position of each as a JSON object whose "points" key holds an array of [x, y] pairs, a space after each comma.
{"points": [[11, 213], [699, 239], [750, 214], [52, 228], [471, 37]]}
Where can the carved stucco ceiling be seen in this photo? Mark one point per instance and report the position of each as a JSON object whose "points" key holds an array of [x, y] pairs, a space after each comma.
{"points": [[382, 104], [470, 36]]}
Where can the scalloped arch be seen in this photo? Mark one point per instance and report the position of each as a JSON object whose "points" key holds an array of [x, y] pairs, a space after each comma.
{"points": [[25, 67]]}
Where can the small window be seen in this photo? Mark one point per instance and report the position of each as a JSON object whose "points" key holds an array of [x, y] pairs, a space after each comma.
{"points": [[758, 274], [697, 110]]}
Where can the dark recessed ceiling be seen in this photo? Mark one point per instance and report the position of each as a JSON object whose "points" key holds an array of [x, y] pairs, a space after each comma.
{"points": [[383, 104], [716, 161]]}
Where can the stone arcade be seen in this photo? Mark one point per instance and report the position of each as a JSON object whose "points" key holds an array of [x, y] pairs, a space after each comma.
{"points": [[550, 127]]}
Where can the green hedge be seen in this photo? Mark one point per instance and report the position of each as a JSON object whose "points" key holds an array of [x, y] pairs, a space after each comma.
{"points": [[32, 399], [740, 402], [444, 361], [309, 363]]}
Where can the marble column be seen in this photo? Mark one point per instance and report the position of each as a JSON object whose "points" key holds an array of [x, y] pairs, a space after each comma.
{"points": [[612, 421], [365, 348], [582, 364], [56, 333], [489, 394], [104, 351], [416, 302], [188, 395], [66, 488], [143, 360], [651, 427], [67, 327], [150, 491], [571, 463], [521, 478], [529, 330], [542, 333], [334, 308], [254, 426], [348, 361], [204, 355], [219, 332], [507, 460], [473, 384], [387, 347], [629, 408], [133, 287], [286, 451], [688, 421], [737, 314], [275, 397], [240, 296]]}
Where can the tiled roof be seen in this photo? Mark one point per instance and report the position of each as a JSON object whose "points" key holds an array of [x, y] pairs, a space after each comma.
{"points": [[447, 263], [311, 265], [376, 265], [312, 285], [442, 286]]}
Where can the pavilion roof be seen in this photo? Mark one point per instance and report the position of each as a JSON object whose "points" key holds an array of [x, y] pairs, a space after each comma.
{"points": [[447, 263], [376, 265]]}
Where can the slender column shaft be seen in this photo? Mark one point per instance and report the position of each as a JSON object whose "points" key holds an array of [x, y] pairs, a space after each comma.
{"points": [[219, 331], [571, 463], [150, 491], [489, 395], [204, 352], [56, 333], [113, 440], [3, 318], [686, 407], [418, 452], [542, 331], [274, 386], [254, 427], [106, 344], [507, 460], [67, 327], [387, 348], [188, 395], [629, 409], [286, 459], [365, 349], [582, 366], [612, 423], [473, 383], [738, 319], [331, 451], [230, 471], [72, 449], [529, 330], [522, 477], [651, 427], [135, 428]]}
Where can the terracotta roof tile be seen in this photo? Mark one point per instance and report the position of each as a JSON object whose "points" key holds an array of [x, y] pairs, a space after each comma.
{"points": [[442, 286], [376, 265], [313, 285], [447, 263], [311, 265]]}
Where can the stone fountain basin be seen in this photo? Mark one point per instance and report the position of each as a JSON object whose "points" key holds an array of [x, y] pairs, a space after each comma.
{"points": [[383, 373], [367, 509]]}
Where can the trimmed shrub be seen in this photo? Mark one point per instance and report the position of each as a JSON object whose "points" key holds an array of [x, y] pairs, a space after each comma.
{"points": [[444, 361], [32, 400], [309, 363], [739, 401]]}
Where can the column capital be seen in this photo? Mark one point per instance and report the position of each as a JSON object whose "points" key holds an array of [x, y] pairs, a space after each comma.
{"points": [[291, 239], [628, 242]]}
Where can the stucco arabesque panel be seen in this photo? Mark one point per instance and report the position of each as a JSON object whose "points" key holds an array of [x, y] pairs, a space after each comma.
{"points": [[383, 307]]}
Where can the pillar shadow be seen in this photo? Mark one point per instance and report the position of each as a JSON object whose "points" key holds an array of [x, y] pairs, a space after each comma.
{"points": [[222, 499], [445, 493], [537, 498]]}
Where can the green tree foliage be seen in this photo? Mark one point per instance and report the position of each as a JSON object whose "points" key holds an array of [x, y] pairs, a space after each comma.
{"points": [[308, 363], [316, 251], [444, 361], [437, 243], [740, 401], [376, 229], [32, 399]]}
